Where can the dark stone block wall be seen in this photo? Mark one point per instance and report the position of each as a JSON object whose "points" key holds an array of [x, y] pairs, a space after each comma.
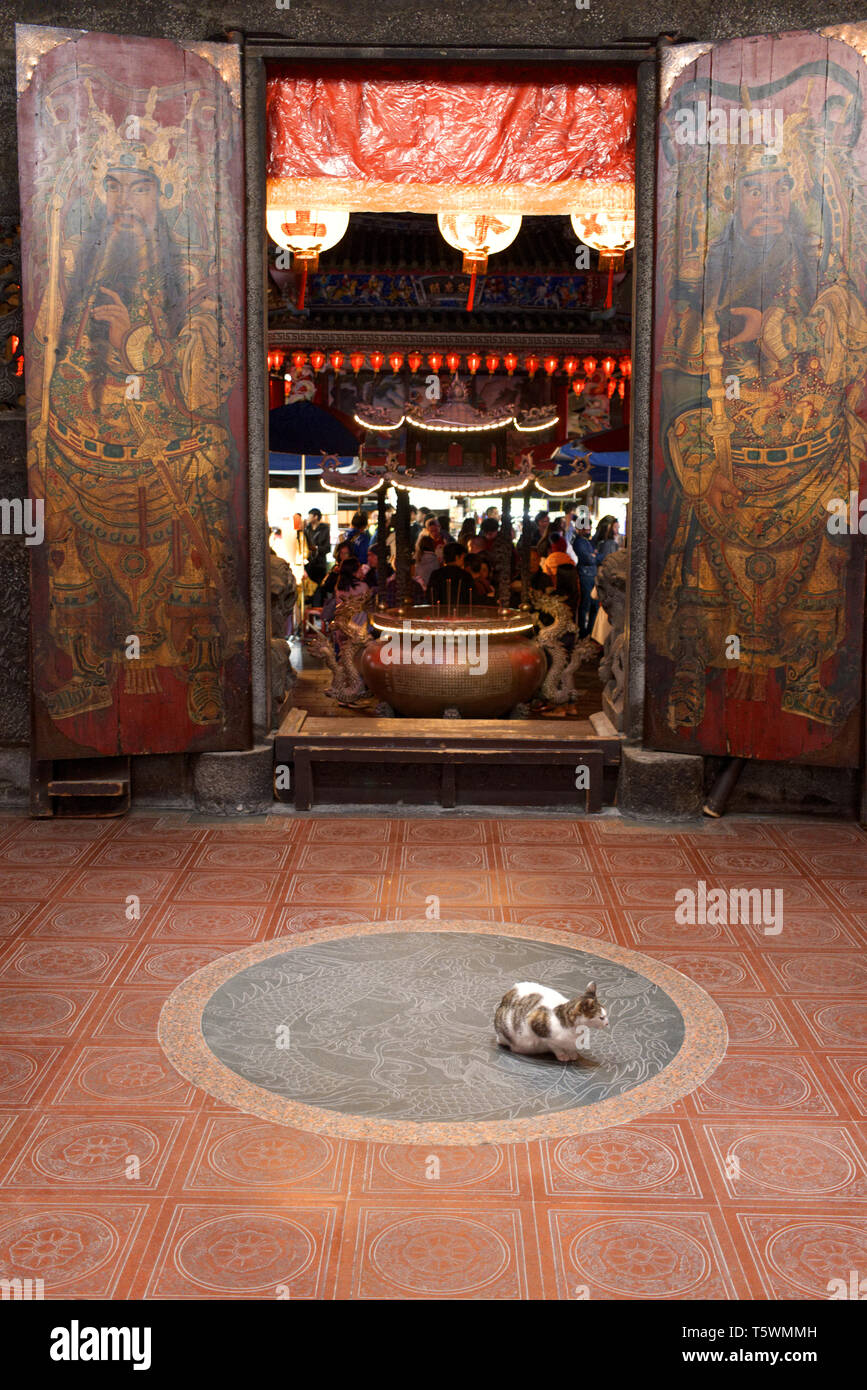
{"points": [[544, 25]]}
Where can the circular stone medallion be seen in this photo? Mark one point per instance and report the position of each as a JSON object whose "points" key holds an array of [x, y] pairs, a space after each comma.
{"points": [[385, 1031]]}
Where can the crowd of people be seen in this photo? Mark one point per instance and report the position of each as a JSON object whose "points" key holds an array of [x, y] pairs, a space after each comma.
{"points": [[565, 554]]}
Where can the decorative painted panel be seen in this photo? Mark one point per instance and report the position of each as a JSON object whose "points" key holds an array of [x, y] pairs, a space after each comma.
{"points": [[756, 607], [132, 229]]}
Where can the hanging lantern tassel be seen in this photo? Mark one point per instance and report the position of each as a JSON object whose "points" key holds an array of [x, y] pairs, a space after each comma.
{"points": [[475, 264], [309, 261], [609, 296], [472, 294]]}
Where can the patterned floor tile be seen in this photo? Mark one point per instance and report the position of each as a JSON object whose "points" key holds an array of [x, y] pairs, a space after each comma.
{"points": [[255, 1251], [833, 972], [129, 917], [38, 962], [413, 890], [349, 830], [455, 1252], [851, 1072], [776, 1086], [645, 1161], [212, 922], [115, 885], [36, 853], [130, 1016], [42, 1013], [408, 1170], [26, 1071], [765, 863], [288, 921], [592, 922], [808, 1256], [227, 886], [165, 965], [660, 928], [644, 858], [77, 1249], [243, 857], [531, 889], [774, 1162], [755, 1023], [715, 971], [112, 1152], [539, 832], [335, 858], [311, 890], [447, 857], [166, 853], [15, 916], [242, 1154], [124, 1076], [600, 1255]]}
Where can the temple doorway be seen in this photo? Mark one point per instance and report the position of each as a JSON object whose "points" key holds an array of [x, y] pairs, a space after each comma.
{"points": [[435, 410]]}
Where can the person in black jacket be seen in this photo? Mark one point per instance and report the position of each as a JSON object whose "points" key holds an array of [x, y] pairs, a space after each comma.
{"points": [[451, 584], [317, 535], [589, 606]]}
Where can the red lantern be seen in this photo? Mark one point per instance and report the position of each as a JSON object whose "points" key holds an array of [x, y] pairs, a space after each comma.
{"points": [[376, 360], [612, 387], [415, 360], [357, 360], [453, 361], [395, 361], [435, 361], [570, 365], [578, 385], [589, 365], [551, 365], [532, 365], [621, 389], [510, 362], [317, 360], [298, 360], [626, 366], [608, 365], [474, 361], [336, 359], [492, 362]]}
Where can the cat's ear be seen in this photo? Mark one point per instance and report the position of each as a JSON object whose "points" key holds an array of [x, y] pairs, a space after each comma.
{"points": [[591, 988]]}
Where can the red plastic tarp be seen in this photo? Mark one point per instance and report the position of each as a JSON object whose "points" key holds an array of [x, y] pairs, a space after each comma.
{"points": [[447, 138]]}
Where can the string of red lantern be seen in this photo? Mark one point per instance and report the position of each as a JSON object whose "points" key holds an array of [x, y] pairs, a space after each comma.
{"points": [[435, 360]]}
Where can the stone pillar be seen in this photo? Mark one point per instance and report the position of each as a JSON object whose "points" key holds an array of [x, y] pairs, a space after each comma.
{"points": [[661, 786], [234, 784]]}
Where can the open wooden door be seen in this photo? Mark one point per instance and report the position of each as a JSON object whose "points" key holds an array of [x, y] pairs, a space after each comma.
{"points": [[756, 609], [132, 198]]}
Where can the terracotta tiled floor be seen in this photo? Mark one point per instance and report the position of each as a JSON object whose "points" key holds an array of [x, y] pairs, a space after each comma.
{"points": [[120, 1179]]}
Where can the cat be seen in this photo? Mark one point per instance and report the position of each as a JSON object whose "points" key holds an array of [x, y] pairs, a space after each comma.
{"points": [[532, 1018]]}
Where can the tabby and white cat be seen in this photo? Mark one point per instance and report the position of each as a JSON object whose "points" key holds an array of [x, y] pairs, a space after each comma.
{"points": [[532, 1018]]}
